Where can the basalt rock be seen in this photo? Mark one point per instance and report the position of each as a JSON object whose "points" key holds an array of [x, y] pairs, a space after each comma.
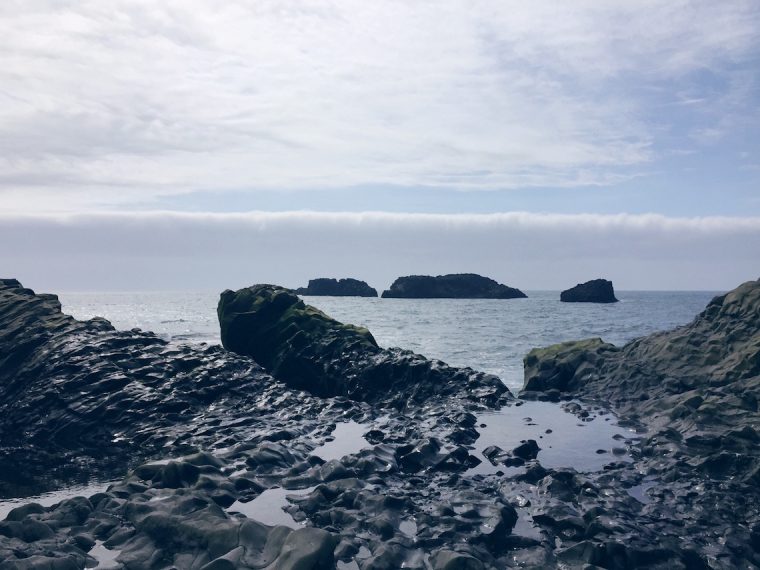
{"points": [[308, 350], [455, 286], [326, 287], [594, 291]]}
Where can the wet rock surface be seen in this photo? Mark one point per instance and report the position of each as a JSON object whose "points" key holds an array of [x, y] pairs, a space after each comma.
{"points": [[409, 495], [454, 286], [594, 291], [696, 389], [337, 288]]}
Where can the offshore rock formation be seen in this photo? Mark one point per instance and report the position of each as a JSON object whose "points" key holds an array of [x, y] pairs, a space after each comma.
{"points": [[308, 350], [697, 389], [325, 287], [455, 286], [594, 291]]}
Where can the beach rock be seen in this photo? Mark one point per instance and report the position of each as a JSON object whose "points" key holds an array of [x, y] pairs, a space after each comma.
{"points": [[455, 286], [594, 291], [308, 350], [327, 287]]}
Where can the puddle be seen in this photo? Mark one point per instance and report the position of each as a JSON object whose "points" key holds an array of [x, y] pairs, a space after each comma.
{"points": [[570, 441], [408, 527], [348, 439], [267, 508], [525, 526], [639, 492], [53, 497], [106, 558]]}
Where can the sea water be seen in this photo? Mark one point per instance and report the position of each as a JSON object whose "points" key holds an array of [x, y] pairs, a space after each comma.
{"points": [[492, 335]]}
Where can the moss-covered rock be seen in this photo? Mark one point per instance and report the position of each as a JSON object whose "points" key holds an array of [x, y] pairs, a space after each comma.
{"points": [[305, 348]]}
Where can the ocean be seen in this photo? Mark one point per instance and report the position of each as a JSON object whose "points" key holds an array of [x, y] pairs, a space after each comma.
{"points": [[488, 335]]}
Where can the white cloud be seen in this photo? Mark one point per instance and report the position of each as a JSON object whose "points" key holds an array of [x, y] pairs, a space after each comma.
{"points": [[160, 250], [107, 103]]}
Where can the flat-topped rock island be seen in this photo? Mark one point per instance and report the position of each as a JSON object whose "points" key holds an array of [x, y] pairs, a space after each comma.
{"points": [[328, 287], [453, 286]]}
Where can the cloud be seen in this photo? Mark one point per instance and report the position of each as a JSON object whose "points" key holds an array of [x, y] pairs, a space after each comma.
{"points": [[107, 104], [164, 250]]}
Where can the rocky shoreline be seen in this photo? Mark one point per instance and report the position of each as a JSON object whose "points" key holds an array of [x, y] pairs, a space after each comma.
{"points": [[224, 430]]}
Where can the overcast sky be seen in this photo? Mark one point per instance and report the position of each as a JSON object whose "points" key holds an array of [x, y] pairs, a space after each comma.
{"points": [[194, 144]]}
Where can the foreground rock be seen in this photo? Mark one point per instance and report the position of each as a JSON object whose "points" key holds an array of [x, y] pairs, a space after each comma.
{"points": [[455, 286], [697, 389], [594, 291], [306, 349], [348, 287]]}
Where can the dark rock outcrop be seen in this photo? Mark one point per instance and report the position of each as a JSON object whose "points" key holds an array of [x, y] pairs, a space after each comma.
{"points": [[326, 287], [594, 291], [308, 350], [697, 389], [455, 286]]}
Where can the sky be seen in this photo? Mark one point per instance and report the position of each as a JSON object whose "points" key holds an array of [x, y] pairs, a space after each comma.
{"points": [[196, 144]]}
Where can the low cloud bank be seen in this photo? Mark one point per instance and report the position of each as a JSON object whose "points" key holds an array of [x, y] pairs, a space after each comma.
{"points": [[168, 250]]}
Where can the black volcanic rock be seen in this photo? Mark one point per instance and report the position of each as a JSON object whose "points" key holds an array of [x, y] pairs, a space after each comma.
{"points": [[326, 287], [594, 291], [305, 348], [454, 286]]}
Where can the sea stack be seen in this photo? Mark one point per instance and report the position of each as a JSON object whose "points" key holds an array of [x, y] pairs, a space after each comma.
{"points": [[594, 291], [328, 287], [454, 286]]}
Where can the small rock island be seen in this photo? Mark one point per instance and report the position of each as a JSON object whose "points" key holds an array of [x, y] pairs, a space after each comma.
{"points": [[594, 291], [453, 286], [328, 287]]}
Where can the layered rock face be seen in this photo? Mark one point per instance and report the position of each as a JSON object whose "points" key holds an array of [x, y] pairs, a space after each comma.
{"points": [[455, 286], [306, 349], [594, 291], [73, 388], [325, 287]]}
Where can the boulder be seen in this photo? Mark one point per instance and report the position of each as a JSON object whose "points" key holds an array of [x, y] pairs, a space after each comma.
{"points": [[308, 350], [454, 286], [326, 287], [594, 291]]}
